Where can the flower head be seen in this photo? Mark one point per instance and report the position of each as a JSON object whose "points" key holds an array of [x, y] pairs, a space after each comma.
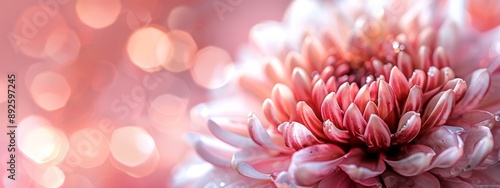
{"points": [[385, 102]]}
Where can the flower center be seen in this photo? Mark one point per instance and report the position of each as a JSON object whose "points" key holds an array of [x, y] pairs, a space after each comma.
{"points": [[376, 104]]}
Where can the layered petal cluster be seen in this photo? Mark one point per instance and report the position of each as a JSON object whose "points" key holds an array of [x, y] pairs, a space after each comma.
{"points": [[385, 102]]}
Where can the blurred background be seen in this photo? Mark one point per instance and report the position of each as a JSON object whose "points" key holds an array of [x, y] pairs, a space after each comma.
{"points": [[106, 89]]}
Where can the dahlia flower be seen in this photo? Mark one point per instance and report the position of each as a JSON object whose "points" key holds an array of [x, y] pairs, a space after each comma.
{"points": [[359, 94]]}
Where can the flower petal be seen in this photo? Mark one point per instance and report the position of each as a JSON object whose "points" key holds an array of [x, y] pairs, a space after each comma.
{"points": [[359, 167], [229, 137], [386, 99], [438, 109], [425, 179], [284, 98], [319, 93], [308, 118], [478, 143], [248, 170], [447, 144], [314, 51], [297, 136], [458, 86], [399, 84], [271, 112], [362, 97], [408, 128], [412, 160], [335, 134], [311, 164], [301, 83], [354, 121], [478, 87], [330, 110], [209, 152], [377, 134], [343, 96], [259, 134], [371, 108]]}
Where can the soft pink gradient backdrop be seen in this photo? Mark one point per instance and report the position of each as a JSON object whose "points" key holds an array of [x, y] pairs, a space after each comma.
{"points": [[85, 44]]}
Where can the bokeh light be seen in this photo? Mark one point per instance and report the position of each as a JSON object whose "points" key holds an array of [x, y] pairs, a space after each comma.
{"points": [[218, 61], [149, 48], [166, 111], [131, 145], [63, 45], [40, 142], [52, 177], [182, 18], [98, 13], [90, 146], [183, 50], [77, 181], [50, 90]]}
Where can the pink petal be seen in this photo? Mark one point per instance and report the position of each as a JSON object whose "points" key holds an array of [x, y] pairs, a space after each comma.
{"points": [[447, 144], [301, 83], [377, 134], [327, 72], [438, 109], [275, 70], [259, 134], [271, 112], [478, 143], [319, 93], [371, 108], [399, 84], [439, 58], [331, 84], [229, 137], [424, 58], [334, 133], [295, 59], [455, 183], [404, 63], [478, 87], [408, 128], [458, 86], [359, 167], [285, 101], [341, 179], [432, 79], [314, 52], [362, 97], [297, 136], [343, 96], [447, 74], [311, 164], [330, 110], [308, 118], [425, 179], [386, 99], [354, 121], [414, 100], [309, 173], [484, 178], [418, 78], [412, 160]]}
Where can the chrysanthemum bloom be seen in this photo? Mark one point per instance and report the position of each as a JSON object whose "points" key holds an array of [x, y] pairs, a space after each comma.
{"points": [[390, 95]]}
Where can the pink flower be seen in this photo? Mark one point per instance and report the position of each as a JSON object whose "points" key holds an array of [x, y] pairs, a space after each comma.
{"points": [[377, 95]]}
